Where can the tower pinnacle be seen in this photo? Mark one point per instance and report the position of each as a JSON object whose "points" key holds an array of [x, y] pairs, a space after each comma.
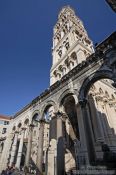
{"points": [[71, 44]]}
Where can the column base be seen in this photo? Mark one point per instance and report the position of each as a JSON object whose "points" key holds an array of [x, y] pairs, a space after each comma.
{"points": [[99, 152], [83, 158]]}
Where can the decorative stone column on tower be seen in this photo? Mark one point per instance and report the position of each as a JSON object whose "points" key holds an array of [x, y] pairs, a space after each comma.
{"points": [[40, 146], [20, 149], [29, 145], [13, 150]]}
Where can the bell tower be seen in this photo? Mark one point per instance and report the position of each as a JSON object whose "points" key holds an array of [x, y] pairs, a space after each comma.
{"points": [[71, 44]]}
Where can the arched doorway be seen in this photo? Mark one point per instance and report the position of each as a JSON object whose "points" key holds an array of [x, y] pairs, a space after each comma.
{"points": [[97, 100], [71, 132]]}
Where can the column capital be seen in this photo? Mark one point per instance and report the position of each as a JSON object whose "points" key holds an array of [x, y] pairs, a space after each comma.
{"points": [[16, 132], [42, 120], [83, 102], [58, 114], [23, 129], [54, 116], [31, 126]]}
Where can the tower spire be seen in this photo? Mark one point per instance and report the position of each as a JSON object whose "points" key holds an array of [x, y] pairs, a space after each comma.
{"points": [[71, 44]]}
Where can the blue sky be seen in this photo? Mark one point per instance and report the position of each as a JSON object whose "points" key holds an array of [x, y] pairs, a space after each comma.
{"points": [[26, 29]]}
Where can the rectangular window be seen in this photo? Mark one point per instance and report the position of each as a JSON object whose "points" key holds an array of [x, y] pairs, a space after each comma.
{"points": [[6, 122], [1, 122], [4, 130]]}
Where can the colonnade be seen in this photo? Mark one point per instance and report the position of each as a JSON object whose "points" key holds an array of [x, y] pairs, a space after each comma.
{"points": [[15, 158], [92, 135], [16, 155]]}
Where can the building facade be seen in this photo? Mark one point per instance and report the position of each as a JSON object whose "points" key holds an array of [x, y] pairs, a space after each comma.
{"points": [[72, 124], [4, 123]]}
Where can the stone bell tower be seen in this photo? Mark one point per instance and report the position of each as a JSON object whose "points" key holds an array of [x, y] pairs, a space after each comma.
{"points": [[71, 44]]}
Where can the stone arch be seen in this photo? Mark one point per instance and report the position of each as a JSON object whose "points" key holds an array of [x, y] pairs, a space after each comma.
{"points": [[60, 68], [89, 81], [19, 124], [71, 64], [14, 128], [64, 69], [112, 96], [66, 93], [73, 55], [101, 91], [87, 106], [47, 105], [106, 93], [67, 105], [26, 121], [34, 115], [55, 73]]}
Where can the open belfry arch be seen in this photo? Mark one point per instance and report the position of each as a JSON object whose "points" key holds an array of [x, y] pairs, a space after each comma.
{"points": [[72, 124]]}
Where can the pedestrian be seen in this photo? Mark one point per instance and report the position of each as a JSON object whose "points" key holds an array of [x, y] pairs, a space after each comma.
{"points": [[3, 172], [16, 172]]}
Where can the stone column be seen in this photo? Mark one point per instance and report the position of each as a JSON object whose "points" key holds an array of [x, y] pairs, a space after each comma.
{"points": [[29, 145], [103, 119], [20, 149], [83, 152], [113, 112], [87, 128], [40, 146], [52, 149], [109, 122], [109, 118], [90, 134], [98, 133], [71, 37], [97, 128], [14, 147], [60, 145]]}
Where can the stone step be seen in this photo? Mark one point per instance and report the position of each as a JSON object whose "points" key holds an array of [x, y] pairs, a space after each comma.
{"points": [[92, 170]]}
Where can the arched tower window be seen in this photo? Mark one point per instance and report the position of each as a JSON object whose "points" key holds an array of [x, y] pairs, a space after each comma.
{"points": [[100, 91], [106, 93], [1, 147], [74, 56], [67, 45], [60, 53], [113, 98]]}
